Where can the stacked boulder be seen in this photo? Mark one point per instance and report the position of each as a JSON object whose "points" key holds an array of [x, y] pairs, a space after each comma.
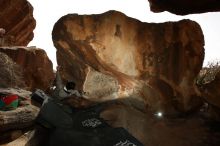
{"points": [[125, 57]]}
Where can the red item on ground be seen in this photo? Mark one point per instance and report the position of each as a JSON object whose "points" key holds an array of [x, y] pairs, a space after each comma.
{"points": [[9, 99]]}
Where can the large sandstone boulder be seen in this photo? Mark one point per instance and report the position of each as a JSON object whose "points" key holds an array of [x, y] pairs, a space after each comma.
{"points": [[112, 55], [184, 7], [37, 68], [16, 17]]}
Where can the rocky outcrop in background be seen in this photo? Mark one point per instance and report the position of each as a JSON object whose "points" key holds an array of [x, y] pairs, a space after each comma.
{"points": [[184, 7], [210, 91], [16, 18], [36, 66], [158, 62]]}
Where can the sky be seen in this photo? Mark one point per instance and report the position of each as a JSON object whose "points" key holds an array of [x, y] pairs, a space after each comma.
{"points": [[47, 12]]}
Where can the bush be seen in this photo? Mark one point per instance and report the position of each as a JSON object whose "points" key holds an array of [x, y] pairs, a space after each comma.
{"points": [[208, 73]]}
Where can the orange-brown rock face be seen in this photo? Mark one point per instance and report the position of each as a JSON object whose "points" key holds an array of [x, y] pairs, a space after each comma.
{"points": [[37, 68], [184, 7], [16, 17], [111, 55]]}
